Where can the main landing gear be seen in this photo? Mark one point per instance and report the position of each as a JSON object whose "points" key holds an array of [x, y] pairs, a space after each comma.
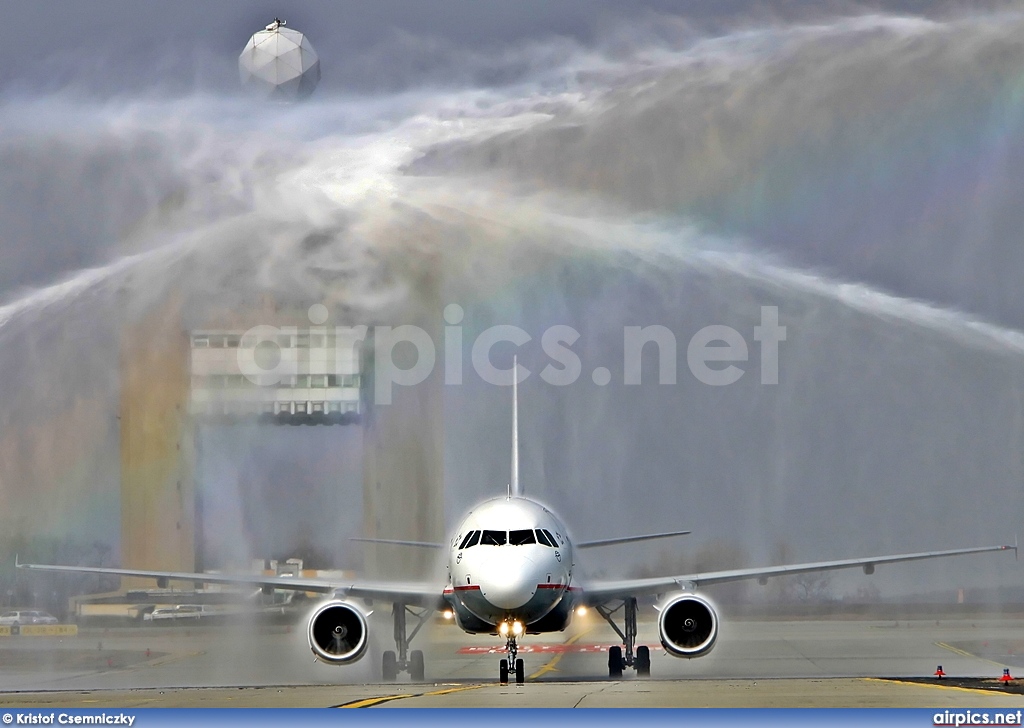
{"points": [[616, 660], [404, 660], [512, 664]]}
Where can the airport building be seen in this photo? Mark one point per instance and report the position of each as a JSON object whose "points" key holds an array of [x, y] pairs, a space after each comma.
{"points": [[265, 368], [315, 376]]}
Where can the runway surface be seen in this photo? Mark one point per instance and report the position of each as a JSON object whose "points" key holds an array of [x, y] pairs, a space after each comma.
{"points": [[756, 663]]}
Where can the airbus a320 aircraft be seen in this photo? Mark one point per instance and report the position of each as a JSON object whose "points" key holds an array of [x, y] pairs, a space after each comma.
{"points": [[510, 574]]}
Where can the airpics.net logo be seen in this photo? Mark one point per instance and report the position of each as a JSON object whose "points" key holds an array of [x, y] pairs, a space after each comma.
{"points": [[956, 718], [714, 355]]}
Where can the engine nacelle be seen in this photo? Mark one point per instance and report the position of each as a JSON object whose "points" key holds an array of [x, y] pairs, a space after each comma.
{"points": [[338, 633], [688, 626]]}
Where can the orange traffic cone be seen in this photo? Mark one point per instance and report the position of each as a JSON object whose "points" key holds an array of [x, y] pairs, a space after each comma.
{"points": [[939, 673], [1006, 675]]}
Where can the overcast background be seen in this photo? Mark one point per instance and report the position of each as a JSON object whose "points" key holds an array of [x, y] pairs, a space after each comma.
{"points": [[118, 47], [581, 163]]}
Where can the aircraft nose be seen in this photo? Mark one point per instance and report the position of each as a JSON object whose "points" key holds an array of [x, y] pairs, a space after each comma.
{"points": [[511, 583]]}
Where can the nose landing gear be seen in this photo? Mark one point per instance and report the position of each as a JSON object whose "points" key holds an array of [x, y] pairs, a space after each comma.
{"points": [[512, 664]]}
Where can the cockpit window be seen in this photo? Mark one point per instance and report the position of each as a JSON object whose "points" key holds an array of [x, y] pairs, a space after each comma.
{"points": [[542, 539], [521, 538], [493, 538], [474, 540], [465, 541], [551, 538]]}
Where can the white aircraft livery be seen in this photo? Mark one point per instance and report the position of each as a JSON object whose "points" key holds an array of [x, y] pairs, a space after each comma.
{"points": [[510, 574]]}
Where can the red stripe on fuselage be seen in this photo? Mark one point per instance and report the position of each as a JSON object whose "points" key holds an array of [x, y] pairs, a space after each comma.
{"points": [[559, 586], [468, 587]]}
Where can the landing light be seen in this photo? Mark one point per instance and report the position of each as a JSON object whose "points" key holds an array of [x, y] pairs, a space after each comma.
{"points": [[517, 628], [503, 629], [447, 614], [581, 611]]}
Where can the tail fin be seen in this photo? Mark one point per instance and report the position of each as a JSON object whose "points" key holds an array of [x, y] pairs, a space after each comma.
{"points": [[513, 486]]}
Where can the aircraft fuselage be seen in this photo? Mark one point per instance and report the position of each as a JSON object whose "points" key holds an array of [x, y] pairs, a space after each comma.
{"points": [[511, 564]]}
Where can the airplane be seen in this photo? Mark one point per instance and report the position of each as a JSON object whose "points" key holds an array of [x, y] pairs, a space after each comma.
{"points": [[510, 574]]}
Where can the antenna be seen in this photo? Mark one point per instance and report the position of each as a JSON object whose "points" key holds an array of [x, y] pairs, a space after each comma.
{"points": [[513, 487]]}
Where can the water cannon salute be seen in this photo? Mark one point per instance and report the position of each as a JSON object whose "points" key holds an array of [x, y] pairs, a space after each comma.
{"points": [[512, 352]]}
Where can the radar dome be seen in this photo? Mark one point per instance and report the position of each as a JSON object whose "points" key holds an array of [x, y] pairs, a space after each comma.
{"points": [[280, 63]]}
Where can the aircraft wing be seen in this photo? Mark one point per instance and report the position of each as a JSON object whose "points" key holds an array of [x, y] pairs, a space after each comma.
{"points": [[599, 592], [421, 593], [628, 539], [397, 542]]}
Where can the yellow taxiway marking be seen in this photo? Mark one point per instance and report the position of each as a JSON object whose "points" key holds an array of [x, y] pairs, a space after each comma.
{"points": [[962, 653], [370, 702], [550, 666], [951, 648], [977, 691]]}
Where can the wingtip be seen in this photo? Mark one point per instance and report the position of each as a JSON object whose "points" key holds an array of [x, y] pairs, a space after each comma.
{"points": [[1013, 548]]}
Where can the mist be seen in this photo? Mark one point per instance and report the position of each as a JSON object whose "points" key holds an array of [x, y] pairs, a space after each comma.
{"points": [[858, 172]]}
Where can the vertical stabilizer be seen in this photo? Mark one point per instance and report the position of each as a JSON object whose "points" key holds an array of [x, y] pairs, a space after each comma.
{"points": [[513, 487]]}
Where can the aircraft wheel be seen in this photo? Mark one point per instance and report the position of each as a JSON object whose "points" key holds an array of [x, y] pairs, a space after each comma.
{"points": [[643, 661], [615, 661], [503, 672], [416, 665], [389, 666], [520, 672]]}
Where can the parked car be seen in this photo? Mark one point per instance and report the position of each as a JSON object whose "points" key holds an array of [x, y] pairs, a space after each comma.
{"points": [[26, 616], [177, 612]]}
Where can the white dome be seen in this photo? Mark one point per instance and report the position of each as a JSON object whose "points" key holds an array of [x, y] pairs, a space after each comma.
{"points": [[280, 63]]}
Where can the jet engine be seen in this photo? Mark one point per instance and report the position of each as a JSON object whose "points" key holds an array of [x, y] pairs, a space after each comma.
{"points": [[688, 626], [338, 633]]}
